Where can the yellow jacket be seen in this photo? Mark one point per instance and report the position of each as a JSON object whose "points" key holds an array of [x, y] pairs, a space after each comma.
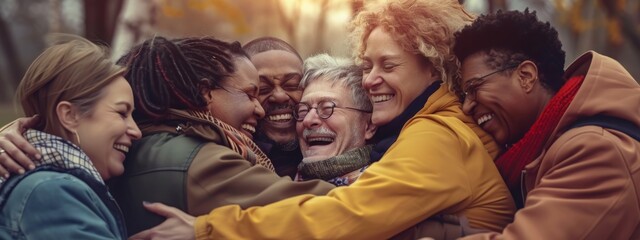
{"points": [[437, 165]]}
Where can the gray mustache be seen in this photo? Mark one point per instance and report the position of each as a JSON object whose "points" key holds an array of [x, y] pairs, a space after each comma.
{"points": [[322, 131]]}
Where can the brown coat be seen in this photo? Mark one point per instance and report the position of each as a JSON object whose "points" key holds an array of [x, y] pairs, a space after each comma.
{"points": [[586, 182]]}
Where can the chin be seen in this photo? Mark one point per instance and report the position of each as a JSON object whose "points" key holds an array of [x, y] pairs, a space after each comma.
{"points": [[281, 138], [116, 171]]}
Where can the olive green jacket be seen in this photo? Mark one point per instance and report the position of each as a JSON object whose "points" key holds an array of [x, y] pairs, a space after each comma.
{"points": [[185, 162]]}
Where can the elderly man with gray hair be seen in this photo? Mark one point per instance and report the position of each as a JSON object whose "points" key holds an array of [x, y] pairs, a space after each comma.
{"points": [[333, 121]]}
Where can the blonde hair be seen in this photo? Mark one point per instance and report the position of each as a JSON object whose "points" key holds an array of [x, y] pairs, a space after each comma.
{"points": [[423, 27], [72, 69]]}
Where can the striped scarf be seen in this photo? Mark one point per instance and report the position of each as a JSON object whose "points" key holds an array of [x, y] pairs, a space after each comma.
{"points": [[238, 142], [59, 153], [512, 162]]}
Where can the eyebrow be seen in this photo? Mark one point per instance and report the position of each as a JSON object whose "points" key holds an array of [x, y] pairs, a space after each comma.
{"points": [[323, 98], [383, 58], [285, 76], [290, 76]]}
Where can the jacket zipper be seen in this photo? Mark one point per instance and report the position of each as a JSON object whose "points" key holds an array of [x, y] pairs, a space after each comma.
{"points": [[522, 185]]}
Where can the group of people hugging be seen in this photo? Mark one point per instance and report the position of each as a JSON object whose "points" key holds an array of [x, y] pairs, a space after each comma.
{"points": [[442, 125]]}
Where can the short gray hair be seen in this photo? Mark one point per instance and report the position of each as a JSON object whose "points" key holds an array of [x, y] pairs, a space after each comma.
{"points": [[339, 71]]}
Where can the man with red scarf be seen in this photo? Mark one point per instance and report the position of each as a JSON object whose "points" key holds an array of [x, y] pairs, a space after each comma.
{"points": [[572, 182]]}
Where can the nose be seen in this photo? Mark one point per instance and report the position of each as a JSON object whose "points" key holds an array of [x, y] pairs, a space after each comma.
{"points": [[258, 110], [312, 119], [371, 80], [468, 105], [279, 95], [132, 130]]}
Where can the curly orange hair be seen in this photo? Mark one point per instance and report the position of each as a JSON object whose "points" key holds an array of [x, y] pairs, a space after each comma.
{"points": [[423, 27]]}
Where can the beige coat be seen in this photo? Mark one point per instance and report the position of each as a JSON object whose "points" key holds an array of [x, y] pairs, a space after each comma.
{"points": [[586, 182]]}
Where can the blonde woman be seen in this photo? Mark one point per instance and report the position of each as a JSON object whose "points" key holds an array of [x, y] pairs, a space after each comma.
{"points": [[85, 130]]}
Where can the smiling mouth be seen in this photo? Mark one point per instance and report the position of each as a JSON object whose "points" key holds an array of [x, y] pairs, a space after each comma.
{"points": [[319, 141], [381, 98], [249, 128], [285, 117], [484, 118], [121, 148]]}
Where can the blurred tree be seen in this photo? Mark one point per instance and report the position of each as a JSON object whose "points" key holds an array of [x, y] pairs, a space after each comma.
{"points": [[100, 18], [8, 83], [495, 5]]}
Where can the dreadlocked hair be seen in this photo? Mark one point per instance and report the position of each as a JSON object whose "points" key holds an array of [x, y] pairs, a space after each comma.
{"points": [[167, 74], [511, 37]]}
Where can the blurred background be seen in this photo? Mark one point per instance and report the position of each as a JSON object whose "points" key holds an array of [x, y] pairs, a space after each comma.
{"points": [[611, 27]]}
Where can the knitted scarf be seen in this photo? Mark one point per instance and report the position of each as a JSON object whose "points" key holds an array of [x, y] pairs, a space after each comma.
{"points": [[238, 142], [523, 152], [59, 153], [336, 166]]}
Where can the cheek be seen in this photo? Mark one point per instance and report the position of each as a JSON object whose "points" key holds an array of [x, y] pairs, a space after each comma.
{"points": [[296, 96], [299, 128]]}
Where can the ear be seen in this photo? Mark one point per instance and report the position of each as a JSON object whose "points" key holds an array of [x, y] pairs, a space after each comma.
{"points": [[207, 95], [68, 115], [370, 130], [527, 73]]}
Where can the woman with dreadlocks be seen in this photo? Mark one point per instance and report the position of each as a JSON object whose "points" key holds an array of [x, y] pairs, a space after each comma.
{"points": [[196, 106]]}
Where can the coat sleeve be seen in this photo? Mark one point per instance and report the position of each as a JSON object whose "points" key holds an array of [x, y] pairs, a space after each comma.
{"points": [[218, 176], [419, 176], [585, 192], [65, 208]]}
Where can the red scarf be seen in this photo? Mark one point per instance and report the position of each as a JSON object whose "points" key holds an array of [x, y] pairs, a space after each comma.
{"points": [[512, 162]]}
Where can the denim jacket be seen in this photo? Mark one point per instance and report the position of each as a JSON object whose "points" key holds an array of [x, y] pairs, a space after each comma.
{"points": [[55, 202]]}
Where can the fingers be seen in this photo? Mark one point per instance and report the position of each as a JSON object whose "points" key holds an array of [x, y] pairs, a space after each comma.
{"points": [[3, 171], [16, 153], [8, 161], [146, 234], [161, 209], [26, 123], [24, 148]]}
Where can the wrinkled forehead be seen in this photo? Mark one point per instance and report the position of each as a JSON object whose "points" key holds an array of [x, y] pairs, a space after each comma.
{"points": [[276, 63], [474, 67], [323, 89]]}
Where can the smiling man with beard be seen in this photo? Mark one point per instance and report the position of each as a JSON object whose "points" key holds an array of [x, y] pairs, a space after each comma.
{"points": [[333, 121], [280, 69]]}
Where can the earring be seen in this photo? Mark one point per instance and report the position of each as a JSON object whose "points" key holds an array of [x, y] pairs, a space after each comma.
{"points": [[77, 137]]}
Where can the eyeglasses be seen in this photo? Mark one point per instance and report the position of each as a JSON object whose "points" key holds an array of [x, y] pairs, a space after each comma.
{"points": [[469, 91], [324, 109]]}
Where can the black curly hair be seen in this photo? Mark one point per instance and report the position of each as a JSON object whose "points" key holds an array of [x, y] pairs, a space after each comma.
{"points": [[510, 37]]}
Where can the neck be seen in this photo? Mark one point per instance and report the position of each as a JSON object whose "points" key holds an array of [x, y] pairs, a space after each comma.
{"points": [[543, 100]]}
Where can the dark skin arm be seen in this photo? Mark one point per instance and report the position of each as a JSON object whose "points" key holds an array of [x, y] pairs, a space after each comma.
{"points": [[18, 154]]}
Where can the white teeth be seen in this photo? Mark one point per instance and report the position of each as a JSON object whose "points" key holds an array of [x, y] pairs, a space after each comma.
{"points": [[280, 117], [323, 139], [381, 98], [121, 147], [249, 128], [484, 118]]}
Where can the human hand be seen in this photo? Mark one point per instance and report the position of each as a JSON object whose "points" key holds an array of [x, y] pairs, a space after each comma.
{"points": [[14, 148], [179, 225]]}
